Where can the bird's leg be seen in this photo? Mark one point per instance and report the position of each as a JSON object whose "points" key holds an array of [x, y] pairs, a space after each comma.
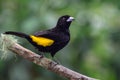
{"points": [[41, 54], [56, 60]]}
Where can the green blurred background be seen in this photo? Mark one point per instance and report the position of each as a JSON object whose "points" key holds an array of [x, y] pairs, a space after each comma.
{"points": [[94, 49]]}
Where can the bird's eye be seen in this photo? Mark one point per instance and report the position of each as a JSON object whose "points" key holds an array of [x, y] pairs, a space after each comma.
{"points": [[63, 18]]}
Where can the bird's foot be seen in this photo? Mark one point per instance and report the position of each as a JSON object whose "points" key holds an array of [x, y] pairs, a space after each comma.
{"points": [[56, 60]]}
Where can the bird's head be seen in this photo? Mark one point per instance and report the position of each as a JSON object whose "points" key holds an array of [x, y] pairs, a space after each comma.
{"points": [[64, 21]]}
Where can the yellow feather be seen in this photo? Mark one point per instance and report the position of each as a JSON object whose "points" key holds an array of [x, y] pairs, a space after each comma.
{"points": [[42, 41]]}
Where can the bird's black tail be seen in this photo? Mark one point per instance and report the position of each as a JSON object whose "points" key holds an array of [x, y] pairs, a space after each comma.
{"points": [[17, 34]]}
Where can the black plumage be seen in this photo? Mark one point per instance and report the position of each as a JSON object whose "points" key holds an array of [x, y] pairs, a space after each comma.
{"points": [[51, 40]]}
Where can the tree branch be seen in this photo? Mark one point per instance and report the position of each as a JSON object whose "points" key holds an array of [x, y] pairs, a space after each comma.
{"points": [[44, 62]]}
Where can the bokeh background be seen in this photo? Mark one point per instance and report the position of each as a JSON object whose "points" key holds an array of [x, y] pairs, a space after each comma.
{"points": [[94, 49]]}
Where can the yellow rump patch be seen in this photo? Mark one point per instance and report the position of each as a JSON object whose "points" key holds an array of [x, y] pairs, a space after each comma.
{"points": [[42, 41]]}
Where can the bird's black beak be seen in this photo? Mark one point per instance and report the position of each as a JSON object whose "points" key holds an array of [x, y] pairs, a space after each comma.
{"points": [[70, 19]]}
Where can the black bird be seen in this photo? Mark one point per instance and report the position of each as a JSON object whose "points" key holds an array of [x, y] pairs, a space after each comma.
{"points": [[51, 40]]}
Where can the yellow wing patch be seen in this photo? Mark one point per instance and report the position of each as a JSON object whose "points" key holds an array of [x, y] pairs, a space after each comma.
{"points": [[42, 41]]}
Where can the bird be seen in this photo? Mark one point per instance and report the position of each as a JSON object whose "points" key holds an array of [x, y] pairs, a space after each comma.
{"points": [[50, 40]]}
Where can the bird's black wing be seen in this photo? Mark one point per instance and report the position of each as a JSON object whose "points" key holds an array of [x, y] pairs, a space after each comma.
{"points": [[58, 37], [46, 34]]}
